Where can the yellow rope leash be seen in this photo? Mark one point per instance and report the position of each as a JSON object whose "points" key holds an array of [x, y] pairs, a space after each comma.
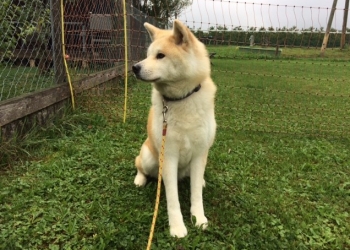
{"points": [[161, 156], [126, 61], [159, 186], [64, 57]]}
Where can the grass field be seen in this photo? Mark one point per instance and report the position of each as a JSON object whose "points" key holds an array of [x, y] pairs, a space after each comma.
{"points": [[333, 54], [15, 81], [19, 80], [277, 176]]}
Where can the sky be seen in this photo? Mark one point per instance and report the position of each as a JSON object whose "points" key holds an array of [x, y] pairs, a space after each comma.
{"points": [[262, 13]]}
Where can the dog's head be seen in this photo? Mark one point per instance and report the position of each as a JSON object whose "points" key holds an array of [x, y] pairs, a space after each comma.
{"points": [[174, 56]]}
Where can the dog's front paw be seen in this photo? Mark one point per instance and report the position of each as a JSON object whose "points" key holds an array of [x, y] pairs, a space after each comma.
{"points": [[178, 231], [140, 179], [200, 221]]}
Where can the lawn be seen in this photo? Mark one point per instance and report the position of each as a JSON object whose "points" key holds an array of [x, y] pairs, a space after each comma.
{"points": [[19, 80], [277, 175], [333, 54], [15, 81]]}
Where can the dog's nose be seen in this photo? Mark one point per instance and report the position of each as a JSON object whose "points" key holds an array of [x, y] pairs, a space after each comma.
{"points": [[136, 69]]}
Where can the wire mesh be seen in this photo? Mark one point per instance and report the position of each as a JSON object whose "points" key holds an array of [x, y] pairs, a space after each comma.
{"points": [[105, 52], [267, 65], [25, 42], [266, 57]]}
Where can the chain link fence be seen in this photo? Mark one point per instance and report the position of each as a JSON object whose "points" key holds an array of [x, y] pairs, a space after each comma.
{"points": [[25, 44], [253, 47]]}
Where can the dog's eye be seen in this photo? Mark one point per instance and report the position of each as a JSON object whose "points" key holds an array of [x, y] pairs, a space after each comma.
{"points": [[160, 56]]}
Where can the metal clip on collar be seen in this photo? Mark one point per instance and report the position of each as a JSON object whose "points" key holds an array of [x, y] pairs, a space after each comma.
{"points": [[165, 124], [165, 110]]}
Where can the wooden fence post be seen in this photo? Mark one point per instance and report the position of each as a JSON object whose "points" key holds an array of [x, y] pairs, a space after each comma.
{"points": [[345, 20], [57, 54], [326, 35]]}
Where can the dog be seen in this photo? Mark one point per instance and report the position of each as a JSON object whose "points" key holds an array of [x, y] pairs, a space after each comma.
{"points": [[178, 66]]}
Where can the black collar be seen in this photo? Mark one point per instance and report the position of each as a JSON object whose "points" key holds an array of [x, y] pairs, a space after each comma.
{"points": [[169, 99]]}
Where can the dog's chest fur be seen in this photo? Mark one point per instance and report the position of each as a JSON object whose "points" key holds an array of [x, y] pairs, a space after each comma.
{"points": [[191, 126]]}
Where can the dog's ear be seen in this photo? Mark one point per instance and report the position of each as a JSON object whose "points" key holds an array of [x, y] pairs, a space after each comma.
{"points": [[152, 30], [182, 34]]}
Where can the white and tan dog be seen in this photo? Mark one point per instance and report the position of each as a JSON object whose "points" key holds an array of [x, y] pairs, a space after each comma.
{"points": [[179, 67]]}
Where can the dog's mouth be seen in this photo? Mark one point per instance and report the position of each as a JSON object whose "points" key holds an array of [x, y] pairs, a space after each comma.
{"points": [[148, 80], [155, 80]]}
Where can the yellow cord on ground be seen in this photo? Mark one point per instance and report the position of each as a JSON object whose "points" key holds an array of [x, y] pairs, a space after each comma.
{"points": [[159, 187], [64, 57], [126, 61]]}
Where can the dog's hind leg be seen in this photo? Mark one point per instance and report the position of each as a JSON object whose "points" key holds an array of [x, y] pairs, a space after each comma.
{"points": [[140, 178], [146, 164]]}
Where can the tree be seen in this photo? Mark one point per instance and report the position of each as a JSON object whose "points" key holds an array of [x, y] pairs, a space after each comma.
{"points": [[237, 28], [221, 28], [161, 9]]}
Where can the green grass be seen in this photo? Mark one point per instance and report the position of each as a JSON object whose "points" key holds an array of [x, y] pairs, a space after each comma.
{"points": [[277, 175], [334, 54], [15, 81], [281, 95], [18, 80]]}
